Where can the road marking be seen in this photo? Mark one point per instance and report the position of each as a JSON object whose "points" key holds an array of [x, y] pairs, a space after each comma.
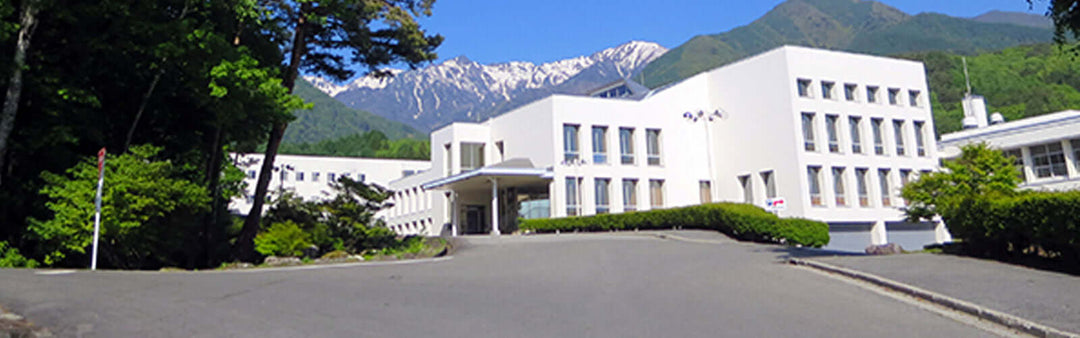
{"points": [[958, 316], [54, 272]]}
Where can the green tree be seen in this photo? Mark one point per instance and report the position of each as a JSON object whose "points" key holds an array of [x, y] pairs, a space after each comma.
{"points": [[146, 215], [1066, 17], [282, 239], [979, 171], [11, 258], [324, 34]]}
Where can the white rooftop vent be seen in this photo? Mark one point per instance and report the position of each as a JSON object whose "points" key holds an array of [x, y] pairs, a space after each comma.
{"points": [[970, 123], [996, 118]]}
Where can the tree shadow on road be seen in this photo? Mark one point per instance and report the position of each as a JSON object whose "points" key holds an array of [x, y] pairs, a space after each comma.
{"points": [[789, 252]]}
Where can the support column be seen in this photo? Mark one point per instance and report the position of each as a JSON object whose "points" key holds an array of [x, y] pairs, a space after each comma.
{"points": [[494, 207], [878, 234], [454, 213]]}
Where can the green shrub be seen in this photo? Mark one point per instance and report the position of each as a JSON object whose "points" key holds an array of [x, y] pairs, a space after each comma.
{"points": [[1007, 226], [741, 221], [336, 254], [10, 258], [283, 239]]}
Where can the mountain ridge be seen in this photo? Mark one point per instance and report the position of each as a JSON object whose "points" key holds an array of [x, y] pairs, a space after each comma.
{"points": [[459, 89], [850, 25]]}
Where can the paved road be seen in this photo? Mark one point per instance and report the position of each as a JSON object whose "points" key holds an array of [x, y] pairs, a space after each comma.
{"points": [[1045, 297], [539, 286]]}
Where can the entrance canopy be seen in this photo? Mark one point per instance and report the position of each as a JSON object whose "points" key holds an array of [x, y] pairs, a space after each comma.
{"points": [[509, 173]]}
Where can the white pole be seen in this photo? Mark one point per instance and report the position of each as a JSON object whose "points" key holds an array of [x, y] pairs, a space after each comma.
{"points": [[97, 214], [494, 207]]}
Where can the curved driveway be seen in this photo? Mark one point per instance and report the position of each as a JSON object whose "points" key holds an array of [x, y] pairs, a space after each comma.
{"points": [[595, 285]]}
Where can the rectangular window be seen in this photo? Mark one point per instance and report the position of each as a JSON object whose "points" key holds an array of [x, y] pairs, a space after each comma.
{"points": [[920, 139], [656, 193], [652, 143], [894, 96], [331, 177], [299, 176], [626, 145], [905, 176], [856, 134], [603, 186], [827, 90], [804, 87], [599, 144], [251, 174], [315, 176], [769, 179], [1018, 161], [838, 186], [879, 138], [871, 94], [850, 90], [808, 131], [913, 97], [886, 188], [284, 175], [449, 159], [629, 194], [570, 143], [573, 208], [834, 137], [1048, 160], [860, 182], [813, 179], [472, 156], [705, 191], [898, 131], [747, 189], [1076, 153]]}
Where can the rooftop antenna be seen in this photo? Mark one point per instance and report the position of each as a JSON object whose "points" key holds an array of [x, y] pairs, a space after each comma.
{"points": [[966, 77]]}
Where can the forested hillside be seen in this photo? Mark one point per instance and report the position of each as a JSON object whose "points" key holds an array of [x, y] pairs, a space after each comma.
{"points": [[858, 26], [369, 144], [329, 118], [1018, 82]]}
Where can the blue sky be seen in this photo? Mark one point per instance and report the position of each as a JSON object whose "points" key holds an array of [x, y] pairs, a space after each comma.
{"points": [[490, 31]]}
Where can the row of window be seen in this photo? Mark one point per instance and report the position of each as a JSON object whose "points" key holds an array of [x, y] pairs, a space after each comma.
{"points": [[412, 228], [856, 125], [862, 177], [1047, 160], [300, 176], [852, 92], [409, 200], [572, 149], [602, 188]]}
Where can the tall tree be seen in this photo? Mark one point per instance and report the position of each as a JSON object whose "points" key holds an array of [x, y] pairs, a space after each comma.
{"points": [[27, 23], [326, 34]]}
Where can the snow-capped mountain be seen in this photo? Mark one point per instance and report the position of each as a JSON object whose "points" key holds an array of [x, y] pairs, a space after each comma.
{"points": [[460, 89]]}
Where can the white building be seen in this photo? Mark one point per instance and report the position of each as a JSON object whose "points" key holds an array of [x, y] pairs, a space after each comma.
{"points": [[834, 134], [309, 176], [1046, 148]]}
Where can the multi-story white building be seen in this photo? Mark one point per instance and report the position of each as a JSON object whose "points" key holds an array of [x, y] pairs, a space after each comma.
{"points": [[309, 177], [833, 134], [1046, 148]]}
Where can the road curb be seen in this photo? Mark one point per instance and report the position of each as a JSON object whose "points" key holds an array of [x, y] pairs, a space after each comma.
{"points": [[998, 317]]}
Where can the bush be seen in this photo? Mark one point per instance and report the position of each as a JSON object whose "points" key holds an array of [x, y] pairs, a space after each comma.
{"points": [[10, 258], [741, 221], [283, 239], [1010, 226]]}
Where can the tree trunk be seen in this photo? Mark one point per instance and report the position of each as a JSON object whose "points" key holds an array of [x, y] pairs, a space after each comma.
{"points": [[244, 248], [27, 21], [142, 107], [211, 228]]}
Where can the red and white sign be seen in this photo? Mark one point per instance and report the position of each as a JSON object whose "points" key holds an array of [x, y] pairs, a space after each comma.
{"points": [[775, 204], [101, 161]]}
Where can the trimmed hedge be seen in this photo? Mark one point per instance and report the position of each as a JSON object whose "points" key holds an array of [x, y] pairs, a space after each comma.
{"points": [[741, 221], [1008, 226]]}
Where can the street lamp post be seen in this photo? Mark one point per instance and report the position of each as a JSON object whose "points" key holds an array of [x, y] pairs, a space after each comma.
{"points": [[705, 119]]}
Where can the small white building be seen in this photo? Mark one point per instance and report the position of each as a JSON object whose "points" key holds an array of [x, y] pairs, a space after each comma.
{"points": [[833, 134], [1046, 148], [309, 177]]}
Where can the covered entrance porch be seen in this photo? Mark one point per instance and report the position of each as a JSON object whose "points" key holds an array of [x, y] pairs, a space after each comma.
{"points": [[489, 200]]}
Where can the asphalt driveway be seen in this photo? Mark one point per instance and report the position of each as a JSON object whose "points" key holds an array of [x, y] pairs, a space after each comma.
{"points": [[593, 285]]}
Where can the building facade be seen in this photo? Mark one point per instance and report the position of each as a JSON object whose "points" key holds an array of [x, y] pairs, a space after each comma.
{"points": [[309, 177], [1046, 148], [832, 134]]}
